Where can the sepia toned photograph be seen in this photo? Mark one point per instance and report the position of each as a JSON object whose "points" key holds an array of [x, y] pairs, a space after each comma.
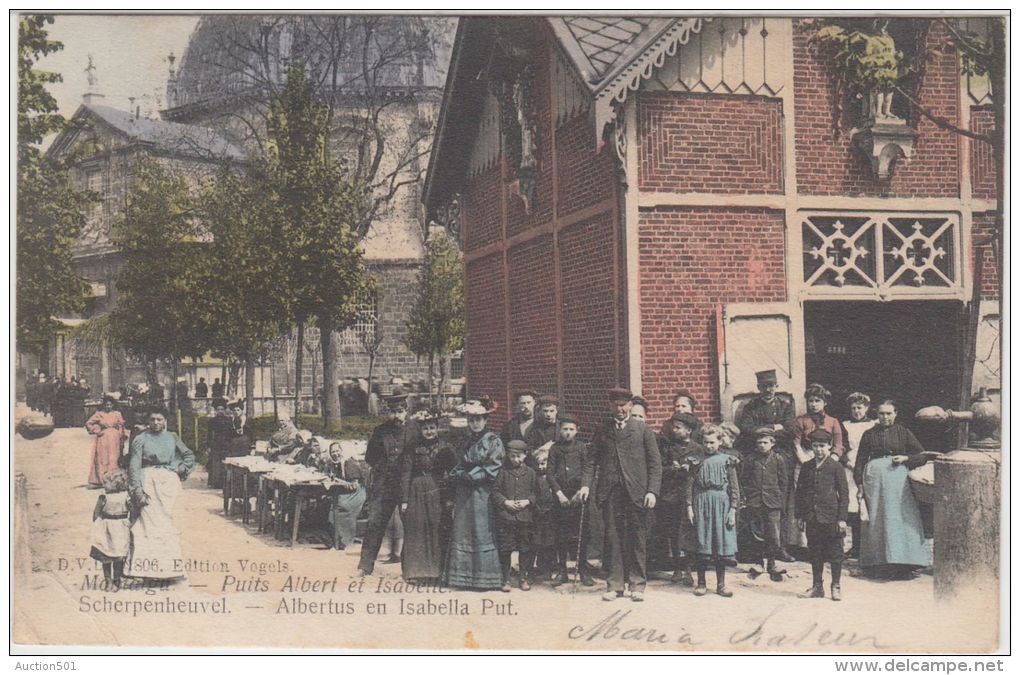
{"points": [[604, 332]]}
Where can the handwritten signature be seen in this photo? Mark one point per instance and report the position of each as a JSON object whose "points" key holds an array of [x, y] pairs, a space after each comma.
{"points": [[760, 633]]}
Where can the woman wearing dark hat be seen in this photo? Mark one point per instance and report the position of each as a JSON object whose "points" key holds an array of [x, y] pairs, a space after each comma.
{"points": [[423, 504], [110, 430], [473, 558]]}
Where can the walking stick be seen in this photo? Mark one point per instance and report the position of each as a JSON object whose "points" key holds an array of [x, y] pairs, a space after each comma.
{"points": [[580, 534]]}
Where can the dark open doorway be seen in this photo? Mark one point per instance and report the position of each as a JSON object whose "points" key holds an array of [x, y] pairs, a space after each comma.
{"points": [[906, 351]]}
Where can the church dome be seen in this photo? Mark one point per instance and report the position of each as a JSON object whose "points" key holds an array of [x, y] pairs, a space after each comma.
{"points": [[247, 57]]}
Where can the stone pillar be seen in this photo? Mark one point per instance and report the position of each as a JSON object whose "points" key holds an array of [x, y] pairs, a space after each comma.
{"points": [[967, 507]]}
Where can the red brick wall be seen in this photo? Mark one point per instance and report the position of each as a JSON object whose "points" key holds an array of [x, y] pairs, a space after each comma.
{"points": [[482, 208], [692, 259], [982, 158], [827, 164], [533, 316], [982, 231], [584, 178], [708, 143], [485, 336], [589, 347]]}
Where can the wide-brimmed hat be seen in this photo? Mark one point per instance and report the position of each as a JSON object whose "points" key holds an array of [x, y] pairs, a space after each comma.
{"points": [[425, 415], [473, 408]]}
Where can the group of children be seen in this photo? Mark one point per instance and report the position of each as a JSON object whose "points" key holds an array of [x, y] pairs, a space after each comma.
{"points": [[714, 497]]}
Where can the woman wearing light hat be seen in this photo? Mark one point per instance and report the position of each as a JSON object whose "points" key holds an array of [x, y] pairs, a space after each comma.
{"points": [[473, 558]]}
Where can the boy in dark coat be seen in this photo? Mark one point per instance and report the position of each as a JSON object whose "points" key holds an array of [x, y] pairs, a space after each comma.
{"points": [[764, 482], [566, 464], [513, 496], [822, 499], [542, 433], [672, 532], [544, 530]]}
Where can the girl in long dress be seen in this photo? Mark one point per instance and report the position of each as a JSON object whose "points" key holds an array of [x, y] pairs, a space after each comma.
{"points": [[110, 430], [712, 498], [423, 484], [473, 558], [160, 462], [892, 541]]}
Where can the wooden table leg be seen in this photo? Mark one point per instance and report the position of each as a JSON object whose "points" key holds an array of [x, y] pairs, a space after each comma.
{"points": [[226, 490], [260, 504], [246, 507], [298, 500]]}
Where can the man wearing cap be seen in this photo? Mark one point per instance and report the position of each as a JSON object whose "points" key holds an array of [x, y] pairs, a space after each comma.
{"points": [[542, 433], [822, 501], [767, 410], [518, 426], [626, 458], [384, 454]]}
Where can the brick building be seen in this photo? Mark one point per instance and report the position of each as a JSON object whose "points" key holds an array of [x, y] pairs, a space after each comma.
{"points": [[677, 202]]}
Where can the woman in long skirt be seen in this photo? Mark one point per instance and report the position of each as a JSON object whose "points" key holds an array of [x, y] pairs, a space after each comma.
{"points": [[160, 462], [110, 430], [423, 483], [892, 537], [473, 559], [349, 499]]}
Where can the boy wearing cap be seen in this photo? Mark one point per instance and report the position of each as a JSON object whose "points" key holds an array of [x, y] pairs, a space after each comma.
{"points": [[542, 433], [513, 496], [626, 456], [384, 454], [672, 532], [764, 482], [822, 501], [566, 464]]}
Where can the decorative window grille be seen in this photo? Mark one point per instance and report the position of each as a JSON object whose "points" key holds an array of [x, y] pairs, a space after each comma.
{"points": [[881, 254], [358, 333]]}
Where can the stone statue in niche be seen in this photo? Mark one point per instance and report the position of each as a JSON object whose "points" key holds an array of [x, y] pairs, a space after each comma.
{"points": [[527, 170]]}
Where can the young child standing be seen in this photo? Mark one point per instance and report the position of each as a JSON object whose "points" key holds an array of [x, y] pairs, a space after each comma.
{"points": [[764, 482], [543, 542], [566, 464], [712, 497], [513, 496], [673, 534], [111, 527], [822, 497]]}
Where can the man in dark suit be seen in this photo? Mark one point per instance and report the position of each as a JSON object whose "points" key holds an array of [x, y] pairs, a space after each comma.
{"points": [[385, 450], [822, 499], [518, 426], [625, 455]]}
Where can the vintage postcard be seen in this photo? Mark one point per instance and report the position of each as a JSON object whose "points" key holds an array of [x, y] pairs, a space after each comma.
{"points": [[595, 332]]}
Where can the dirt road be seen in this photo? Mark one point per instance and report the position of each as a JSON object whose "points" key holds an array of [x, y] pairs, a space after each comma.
{"points": [[247, 590]]}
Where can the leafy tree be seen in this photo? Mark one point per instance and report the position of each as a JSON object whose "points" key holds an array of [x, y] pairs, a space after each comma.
{"points": [[435, 327], [49, 209], [320, 202], [245, 284], [164, 310]]}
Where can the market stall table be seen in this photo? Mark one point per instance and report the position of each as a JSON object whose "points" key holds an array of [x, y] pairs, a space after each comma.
{"points": [[247, 467], [300, 484]]}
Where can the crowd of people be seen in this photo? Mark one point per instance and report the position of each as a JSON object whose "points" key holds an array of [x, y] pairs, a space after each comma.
{"points": [[63, 399], [767, 489]]}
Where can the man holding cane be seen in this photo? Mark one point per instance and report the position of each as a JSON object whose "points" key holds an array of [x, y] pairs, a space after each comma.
{"points": [[626, 455]]}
